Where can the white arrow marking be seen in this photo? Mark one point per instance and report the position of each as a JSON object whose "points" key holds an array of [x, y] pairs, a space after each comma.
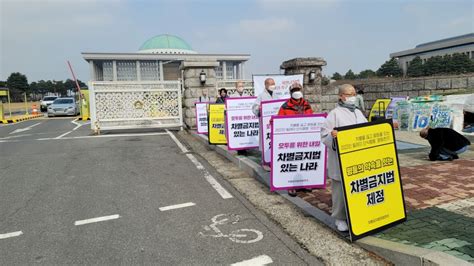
{"points": [[24, 129]]}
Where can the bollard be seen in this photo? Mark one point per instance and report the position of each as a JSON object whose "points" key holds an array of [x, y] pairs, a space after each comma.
{"points": [[34, 110]]}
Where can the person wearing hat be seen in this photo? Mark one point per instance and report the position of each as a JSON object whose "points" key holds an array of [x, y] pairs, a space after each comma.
{"points": [[296, 105], [222, 95]]}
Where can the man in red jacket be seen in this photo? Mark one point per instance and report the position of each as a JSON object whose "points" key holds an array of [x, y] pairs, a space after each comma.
{"points": [[296, 105]]}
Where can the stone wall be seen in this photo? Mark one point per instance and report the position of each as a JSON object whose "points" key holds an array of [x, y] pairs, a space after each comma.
{"points": [[193, 87], [412, 87], [312, 89]]}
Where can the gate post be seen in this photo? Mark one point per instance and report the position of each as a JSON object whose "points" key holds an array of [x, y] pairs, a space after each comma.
{"points": [[312, 89], [193, 88]]}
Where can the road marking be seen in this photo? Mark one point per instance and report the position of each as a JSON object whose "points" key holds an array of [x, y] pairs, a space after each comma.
{"points": [[12, 234], [24, 129], [62, 135], [218, 187], [77, 126], [98, 219], [109, 136], [177, 206], [16, 136], [260, 260]]}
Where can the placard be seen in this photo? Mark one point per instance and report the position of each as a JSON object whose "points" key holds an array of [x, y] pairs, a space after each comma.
{"points": [[201, 117], [298, 154], [216, 124], [282, 84], [371, 177], [242, 126], [267, 110]]}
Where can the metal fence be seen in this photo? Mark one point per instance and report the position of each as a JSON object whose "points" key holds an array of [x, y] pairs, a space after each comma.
{"points": [[135, 104]]}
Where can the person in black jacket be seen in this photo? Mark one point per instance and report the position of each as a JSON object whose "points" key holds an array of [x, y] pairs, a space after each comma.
{"points": [[222, 96], [445, 143]]}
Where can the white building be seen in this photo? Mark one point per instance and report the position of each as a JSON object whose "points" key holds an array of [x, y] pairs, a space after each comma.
{"points": [[463, 44], [159, 58]]}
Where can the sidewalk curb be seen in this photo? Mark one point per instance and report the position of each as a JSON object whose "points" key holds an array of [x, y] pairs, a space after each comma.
{"points": [[397, 253], [23, 118]]}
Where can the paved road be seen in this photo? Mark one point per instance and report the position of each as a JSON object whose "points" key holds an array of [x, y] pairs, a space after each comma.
{"points": [[55, 178]]}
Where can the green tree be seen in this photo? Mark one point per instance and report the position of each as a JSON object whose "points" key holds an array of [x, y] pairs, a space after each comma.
{"points": [[460, 63], [390, 69], [18, 81], [350, 75], [434, 65], [336, 76], [368, 73], [416, 68]]}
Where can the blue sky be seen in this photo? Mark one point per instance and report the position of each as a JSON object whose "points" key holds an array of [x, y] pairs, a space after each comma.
{"points": [[37, 37]]}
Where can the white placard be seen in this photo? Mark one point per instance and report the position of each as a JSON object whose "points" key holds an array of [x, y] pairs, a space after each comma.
{"points": [[242, 126], [268, 108], [282, 84], [298, 154], [201, 117]]}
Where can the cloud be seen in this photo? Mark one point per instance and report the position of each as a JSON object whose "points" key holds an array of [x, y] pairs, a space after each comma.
{"points": [[266, 26]]}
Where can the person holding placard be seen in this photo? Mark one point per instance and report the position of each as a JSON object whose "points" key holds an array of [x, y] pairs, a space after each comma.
{"points": [[239, 90], [266, 95], [344, 114], [296, 105], [222, 95]]}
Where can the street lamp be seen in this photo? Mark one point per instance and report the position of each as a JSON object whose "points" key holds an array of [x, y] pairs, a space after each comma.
{"points": [[312, 76], [202, 77]]}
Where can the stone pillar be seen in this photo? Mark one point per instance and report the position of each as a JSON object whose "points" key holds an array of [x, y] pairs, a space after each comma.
{"points": [[193, 87], [312, 90]]}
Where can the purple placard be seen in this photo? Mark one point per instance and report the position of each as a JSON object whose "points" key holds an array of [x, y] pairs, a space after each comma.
{"points": [[261, 128], [197, 121], [227, 123], [272, 188]]}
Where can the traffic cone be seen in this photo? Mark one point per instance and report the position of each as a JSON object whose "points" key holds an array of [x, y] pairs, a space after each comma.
{"points": [[35, 110]]}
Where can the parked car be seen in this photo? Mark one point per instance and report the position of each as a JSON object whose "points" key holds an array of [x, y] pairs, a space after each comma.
{"points": [[63, 106], [47, 101]]}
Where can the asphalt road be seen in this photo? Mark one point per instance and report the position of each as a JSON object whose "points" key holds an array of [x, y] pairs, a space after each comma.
{"points": [[68, 197]]}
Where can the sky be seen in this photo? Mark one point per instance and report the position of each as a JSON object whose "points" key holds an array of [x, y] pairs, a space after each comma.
{"points": [[39, 36]]}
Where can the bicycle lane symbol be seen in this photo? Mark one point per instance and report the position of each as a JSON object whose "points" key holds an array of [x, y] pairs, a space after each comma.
{"points": [[244, 236]]}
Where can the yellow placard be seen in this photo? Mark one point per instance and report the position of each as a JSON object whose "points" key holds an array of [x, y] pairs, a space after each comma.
{"points": [[216, 125], [3, 93], [371, 177], [379, 108], [85, 104]]}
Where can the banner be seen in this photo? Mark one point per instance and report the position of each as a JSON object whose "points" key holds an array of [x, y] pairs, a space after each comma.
{"points": [[216, 124], [201, 117], [282, 84], [242, 126], [298, 154], [371, 177], [268, 108]]}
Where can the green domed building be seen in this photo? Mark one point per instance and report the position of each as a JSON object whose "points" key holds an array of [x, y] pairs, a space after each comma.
{"points": [[160, 58], [166, 44]]}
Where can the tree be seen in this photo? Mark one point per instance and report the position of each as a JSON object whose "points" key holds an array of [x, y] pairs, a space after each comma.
{"points": [[434, 65], [18, 81], [368, 73], [460, 63], [336, 76], [390, 68], [350, 75], [416, 68]]}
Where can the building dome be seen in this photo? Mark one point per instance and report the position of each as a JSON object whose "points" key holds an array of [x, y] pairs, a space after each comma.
{"points": [[166, 44]]}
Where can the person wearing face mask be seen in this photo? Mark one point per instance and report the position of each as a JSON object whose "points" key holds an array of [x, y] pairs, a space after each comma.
{"points": [[239, 90], [344, 114], [296, 105], [266, 95]]}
